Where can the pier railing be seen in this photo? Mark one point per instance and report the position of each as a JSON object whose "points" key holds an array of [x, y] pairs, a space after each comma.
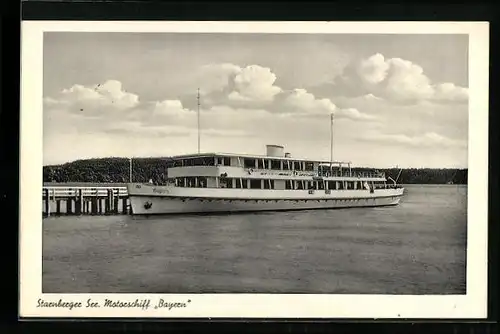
{"points": [[71, 200], [64, 192]]}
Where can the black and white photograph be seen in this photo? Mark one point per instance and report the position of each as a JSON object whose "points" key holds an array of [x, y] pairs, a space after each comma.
{"points": [[254, 169]]}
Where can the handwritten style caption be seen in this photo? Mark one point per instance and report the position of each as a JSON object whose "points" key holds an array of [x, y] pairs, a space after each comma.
{"points": [[141, 304]]}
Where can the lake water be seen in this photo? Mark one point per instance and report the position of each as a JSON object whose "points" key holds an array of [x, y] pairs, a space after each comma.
{"points": [[418, 247]]}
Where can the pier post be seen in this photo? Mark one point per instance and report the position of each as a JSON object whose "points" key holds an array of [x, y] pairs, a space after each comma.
{"points": [[116, 202], [107, 204], [94, 205], [124, 206], [69, 209], [95, 202], [79, 202], [111, 200], [47, 202]]}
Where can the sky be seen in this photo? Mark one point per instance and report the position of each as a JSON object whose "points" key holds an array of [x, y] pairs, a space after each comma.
{"points": [[397, 100]]}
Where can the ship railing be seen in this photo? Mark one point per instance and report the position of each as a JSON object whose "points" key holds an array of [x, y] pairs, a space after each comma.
{"points": [[319, 173], [352, 174]]}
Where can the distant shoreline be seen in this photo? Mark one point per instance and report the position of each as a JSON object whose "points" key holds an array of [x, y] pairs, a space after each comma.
{"points": [[116, 172]]}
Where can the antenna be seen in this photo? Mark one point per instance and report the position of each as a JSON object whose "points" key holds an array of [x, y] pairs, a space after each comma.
{"points": [[198, 97], [331, 140]]}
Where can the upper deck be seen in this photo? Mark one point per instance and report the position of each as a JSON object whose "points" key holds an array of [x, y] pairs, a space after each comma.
{"points": [[281, 166]]}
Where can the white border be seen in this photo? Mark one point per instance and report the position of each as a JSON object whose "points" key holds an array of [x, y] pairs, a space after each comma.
{"points": [[471, 305]]}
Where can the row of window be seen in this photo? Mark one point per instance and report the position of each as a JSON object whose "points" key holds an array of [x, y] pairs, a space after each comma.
{"points": [[272, 164], [245, 162], [348, 200], [242, 183]]}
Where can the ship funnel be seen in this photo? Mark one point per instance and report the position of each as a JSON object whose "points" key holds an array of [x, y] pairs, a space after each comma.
{"points": [[275, 151], [288, 155]]}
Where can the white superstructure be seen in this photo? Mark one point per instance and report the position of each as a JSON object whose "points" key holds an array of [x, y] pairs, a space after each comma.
{"points": [[221, 182]]}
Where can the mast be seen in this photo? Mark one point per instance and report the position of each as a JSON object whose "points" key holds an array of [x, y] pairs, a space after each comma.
{"points": [[198, 112], [331, 141]]}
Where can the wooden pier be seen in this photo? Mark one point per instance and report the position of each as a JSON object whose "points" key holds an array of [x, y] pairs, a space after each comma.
{"points": [[82, 200]]}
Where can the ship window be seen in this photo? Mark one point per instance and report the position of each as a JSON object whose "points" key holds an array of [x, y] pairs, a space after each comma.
{"points": [[202, 182], [309, 166], [272, 183], [300, 185], [209, 161], [227, 161], [321, 185], [190, 182], [275, 164], [238, 183], [288, 184], [287, 165], [297, 165], [267, 184], [310, 185], [220, 161], [261, 164], [255, 184], [249, 163], [331, 185], [226, 183]]}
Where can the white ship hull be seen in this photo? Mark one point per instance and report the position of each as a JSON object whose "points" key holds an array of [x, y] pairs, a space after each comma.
{"points": [[147, 199]]}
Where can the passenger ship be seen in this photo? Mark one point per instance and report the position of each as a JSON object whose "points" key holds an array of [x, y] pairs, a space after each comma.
{"points": [[219, 182]]}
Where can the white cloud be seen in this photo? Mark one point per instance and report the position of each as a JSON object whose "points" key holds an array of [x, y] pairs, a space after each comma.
{"points": [[94, 100], [394, 79], [215, 77], [450, 92], [267, 114], [406, 81], [170, 108], [227, 83], [429, 139], [301, 102], [254, 83], [355, 114], [374, 69]]}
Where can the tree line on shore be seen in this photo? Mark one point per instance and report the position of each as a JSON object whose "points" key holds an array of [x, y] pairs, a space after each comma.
{"points": [[117, 170]]}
